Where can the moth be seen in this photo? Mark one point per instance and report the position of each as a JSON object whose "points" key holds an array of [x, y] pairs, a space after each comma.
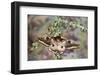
{"points": [[58, 44]]}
